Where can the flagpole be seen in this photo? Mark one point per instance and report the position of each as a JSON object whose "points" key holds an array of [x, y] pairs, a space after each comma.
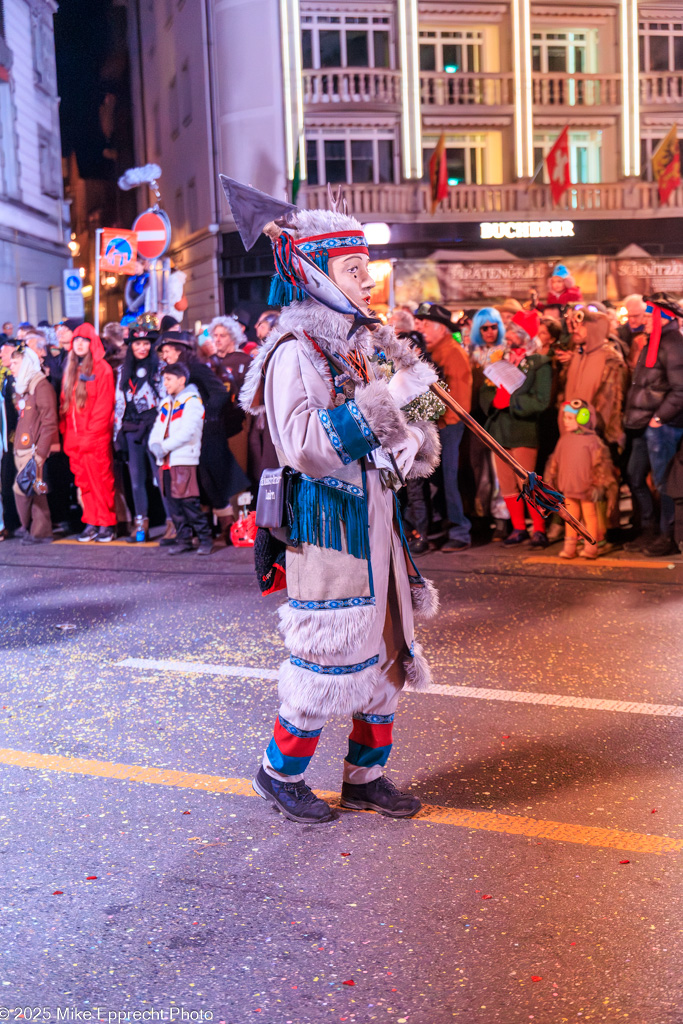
{"points": [[96, 311], [539, 166], [504, 455]]}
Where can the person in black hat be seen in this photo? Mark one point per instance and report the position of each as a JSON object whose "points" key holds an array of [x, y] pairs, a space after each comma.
{"points": [[654, 419], [436, 324], [219, 475], [138, 394]]}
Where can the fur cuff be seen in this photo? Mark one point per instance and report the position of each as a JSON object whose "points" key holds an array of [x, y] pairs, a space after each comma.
{"points": [[316, 693], [427, 458], [382, 414], [318, 632], [425, 598], [418, 673]]}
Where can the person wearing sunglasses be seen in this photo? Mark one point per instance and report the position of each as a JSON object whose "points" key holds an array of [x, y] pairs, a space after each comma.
{"points": [[487, 345], [487, 337]]}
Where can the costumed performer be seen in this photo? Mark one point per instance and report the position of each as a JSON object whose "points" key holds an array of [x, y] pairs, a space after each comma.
{"points": [[348, 621]]}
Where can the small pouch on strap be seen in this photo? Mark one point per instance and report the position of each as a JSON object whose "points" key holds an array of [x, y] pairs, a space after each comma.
{"points": [[270, 501]]}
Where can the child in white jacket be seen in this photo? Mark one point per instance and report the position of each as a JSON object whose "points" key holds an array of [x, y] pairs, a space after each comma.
{"points": [[175, 442]]}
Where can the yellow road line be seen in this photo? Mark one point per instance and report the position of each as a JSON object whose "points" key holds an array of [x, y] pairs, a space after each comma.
{"points": [[596, 563], [488, 821]]}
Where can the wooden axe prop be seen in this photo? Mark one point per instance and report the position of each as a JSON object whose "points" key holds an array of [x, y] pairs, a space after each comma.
{"points": [[543, 498]]}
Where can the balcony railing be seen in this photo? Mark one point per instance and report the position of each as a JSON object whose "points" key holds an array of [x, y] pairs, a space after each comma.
{"points": [[661, 87], [411, 201], [327, 86], [564, 90], [490, 89]]}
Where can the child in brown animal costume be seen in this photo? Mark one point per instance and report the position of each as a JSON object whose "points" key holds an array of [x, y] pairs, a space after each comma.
{"points": [[581, 468]]}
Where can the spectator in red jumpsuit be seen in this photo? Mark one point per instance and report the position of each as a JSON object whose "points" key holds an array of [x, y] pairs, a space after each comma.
{"points": [[87, 420]]}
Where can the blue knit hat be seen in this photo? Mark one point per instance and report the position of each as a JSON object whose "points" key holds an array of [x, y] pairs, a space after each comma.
{"points": [[560, 271]]}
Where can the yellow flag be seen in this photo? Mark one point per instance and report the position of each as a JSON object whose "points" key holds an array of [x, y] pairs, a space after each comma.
{"points": [[666, 164]]}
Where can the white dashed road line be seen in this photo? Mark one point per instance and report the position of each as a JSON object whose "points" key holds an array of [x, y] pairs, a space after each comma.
{"points": [[558, 700]]}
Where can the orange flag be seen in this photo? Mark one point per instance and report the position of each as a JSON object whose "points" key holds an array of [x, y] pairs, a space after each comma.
{"points": [[666, 163], [438, 173]]}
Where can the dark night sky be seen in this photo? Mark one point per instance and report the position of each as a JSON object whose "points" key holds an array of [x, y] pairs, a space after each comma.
{"points": [[85, 39]]}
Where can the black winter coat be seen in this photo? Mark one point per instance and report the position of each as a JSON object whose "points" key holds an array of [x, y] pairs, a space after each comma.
{"points": [[658, 391]]}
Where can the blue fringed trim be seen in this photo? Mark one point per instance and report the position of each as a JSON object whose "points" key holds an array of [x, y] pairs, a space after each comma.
{"points": [[282, 294], [283, 287], [318, 513], [543, 498]]}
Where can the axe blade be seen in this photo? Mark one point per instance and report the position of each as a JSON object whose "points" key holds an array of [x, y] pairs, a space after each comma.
{"points": [[252, 209]]}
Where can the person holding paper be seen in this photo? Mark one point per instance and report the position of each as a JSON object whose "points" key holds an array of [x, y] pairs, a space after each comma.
{"points": [[517, 390]]}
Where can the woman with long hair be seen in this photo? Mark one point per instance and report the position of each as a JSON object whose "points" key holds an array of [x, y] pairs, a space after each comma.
{"points": [[139, 391], [87, 420]]}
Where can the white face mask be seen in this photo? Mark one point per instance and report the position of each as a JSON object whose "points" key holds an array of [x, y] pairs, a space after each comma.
{"points": [[351, 274]]}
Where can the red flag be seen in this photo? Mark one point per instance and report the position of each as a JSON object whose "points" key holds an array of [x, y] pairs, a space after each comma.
{"points": [[438, 173], [557, 162]]}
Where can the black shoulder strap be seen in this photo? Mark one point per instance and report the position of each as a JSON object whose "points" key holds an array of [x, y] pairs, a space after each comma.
{"points": [[285, 337], [257, 400]]}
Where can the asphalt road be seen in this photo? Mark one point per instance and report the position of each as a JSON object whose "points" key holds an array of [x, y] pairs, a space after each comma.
{"points": [[508, 901]]}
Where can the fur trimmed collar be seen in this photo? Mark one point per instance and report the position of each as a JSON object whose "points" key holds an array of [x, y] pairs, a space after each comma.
{"points": [[311, 320]]}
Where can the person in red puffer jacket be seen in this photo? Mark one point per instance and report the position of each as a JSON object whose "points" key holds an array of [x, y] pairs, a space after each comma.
{"points": [[87, 422]]}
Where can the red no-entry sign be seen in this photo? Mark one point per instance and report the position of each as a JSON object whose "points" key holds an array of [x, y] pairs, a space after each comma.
{"points": [[154, 234]]}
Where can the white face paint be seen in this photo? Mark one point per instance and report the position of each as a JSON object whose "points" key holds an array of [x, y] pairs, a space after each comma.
{"points": [[351, 274]]}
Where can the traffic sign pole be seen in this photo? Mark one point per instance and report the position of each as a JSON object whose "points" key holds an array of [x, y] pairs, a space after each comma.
{"points": [[96, 311]]}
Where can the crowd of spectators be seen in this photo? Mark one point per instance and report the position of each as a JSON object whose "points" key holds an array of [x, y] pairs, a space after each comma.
{"points": [[102, 436]]}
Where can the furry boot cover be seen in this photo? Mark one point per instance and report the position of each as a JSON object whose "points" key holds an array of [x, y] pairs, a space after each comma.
{"points": [[425, 598], [429, 455], [318, 693], [418, 673], [318, 632], [386, 420]]}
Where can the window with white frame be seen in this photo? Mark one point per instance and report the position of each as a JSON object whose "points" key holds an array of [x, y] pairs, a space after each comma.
{"points": [[451, 50], [9, 167], [464, 158], [42, 46], [661, 45], [573, 52], [585, 156], [351, 157], [49, 159], [347, 41]]}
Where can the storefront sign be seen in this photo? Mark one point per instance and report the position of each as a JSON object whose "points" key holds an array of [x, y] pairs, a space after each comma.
{"points": [[527, 229], [642, 276], [477, 282]]}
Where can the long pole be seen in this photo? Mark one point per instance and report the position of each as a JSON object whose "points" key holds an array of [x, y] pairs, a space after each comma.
{"points": [[503, 454], [96, 311]]}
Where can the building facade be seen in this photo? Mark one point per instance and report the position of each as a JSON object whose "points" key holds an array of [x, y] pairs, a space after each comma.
{"points": [[359, 92], [33, 220]]}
